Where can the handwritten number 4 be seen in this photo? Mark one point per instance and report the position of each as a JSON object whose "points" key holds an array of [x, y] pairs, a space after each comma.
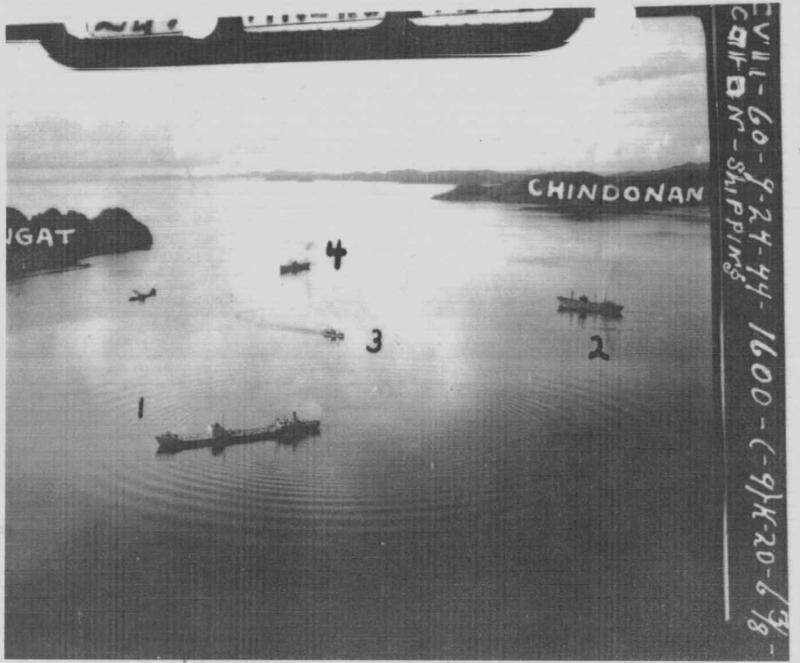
{"points": [[337, 253], [377, 341]]}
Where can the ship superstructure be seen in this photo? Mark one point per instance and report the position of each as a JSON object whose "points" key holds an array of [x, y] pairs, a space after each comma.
{"points": [[286, 431]]}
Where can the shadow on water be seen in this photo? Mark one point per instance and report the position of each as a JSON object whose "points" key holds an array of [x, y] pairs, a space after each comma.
{"points": [[606, 320]]}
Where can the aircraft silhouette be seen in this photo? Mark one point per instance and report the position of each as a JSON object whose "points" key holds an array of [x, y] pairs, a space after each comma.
{"points": [[141, 296]]}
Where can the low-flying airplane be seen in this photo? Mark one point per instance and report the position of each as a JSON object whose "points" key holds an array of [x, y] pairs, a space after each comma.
{"points": [[141, 296]]}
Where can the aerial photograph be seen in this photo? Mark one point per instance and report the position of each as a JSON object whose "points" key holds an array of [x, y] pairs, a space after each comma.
{"points": [[366, 359]]}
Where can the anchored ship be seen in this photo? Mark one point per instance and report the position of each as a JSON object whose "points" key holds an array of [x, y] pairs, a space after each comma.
{"points": [[283, 431], [583, 306], [294, 267]]}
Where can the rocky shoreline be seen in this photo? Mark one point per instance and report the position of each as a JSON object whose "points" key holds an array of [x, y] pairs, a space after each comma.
{"points": [[588, 194]]}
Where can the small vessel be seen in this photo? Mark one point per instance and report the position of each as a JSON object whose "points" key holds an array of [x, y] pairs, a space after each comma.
{"points": [[283, 431], [295, 267], [583, 306], [333, 334]]}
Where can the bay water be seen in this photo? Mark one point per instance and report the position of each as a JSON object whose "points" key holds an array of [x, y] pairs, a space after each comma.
{"points": [[480, 487]]}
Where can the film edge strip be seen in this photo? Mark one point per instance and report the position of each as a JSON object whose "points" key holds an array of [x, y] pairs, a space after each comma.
{"points": [[743, 73]]}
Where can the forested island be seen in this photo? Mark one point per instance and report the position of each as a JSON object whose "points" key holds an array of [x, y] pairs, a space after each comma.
{"points": [[56, 241], [585, 193]]}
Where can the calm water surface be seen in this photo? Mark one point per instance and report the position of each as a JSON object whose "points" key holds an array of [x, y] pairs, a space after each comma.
{"points": [[480, 488]]}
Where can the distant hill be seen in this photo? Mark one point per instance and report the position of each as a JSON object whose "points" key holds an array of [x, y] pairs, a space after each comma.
{"points": [[585, 193], [471, 184], [56, 241], [408, 176]]}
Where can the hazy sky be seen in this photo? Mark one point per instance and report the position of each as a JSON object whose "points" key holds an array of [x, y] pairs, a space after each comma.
{"points": [[621, 95]]}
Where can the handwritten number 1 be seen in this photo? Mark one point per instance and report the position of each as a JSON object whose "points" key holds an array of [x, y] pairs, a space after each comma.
{"points": [[377, 341]]}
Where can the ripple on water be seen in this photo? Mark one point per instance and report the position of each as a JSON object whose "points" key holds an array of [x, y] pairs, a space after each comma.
{"points": [[445, 469]]}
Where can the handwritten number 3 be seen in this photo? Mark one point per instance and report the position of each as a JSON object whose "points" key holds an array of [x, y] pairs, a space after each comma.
{"points": [[377, 341]]}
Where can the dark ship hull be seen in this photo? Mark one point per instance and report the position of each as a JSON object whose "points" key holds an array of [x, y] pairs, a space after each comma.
{"points": [[295, 267], [290, 433], [584, 307], [396, 37]]}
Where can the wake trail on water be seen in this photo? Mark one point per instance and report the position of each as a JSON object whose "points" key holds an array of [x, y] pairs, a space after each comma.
{"points": [[250, 319]]}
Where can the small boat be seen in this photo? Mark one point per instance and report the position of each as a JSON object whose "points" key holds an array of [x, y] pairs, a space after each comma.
{"points": [[295, 267], [333, 334], [583, 306], [283, 431]]}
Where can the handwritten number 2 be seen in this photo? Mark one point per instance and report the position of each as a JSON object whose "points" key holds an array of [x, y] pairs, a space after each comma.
{"points": [[598, 351], [378, 343]]}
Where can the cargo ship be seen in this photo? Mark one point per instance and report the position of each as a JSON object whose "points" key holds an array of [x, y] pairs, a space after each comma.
{"points": [[295, 267], [305, 37], [283, 431], [583, 306]]}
